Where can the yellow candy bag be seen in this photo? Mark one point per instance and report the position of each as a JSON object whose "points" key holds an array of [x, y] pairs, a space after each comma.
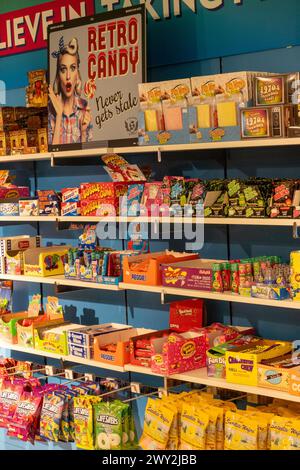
{"points": [[193, 428], [284, 434], [241, 432], [157, 423], [84, 421], [263, 422]]}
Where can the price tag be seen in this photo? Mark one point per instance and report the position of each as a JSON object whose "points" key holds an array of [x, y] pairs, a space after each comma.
{"points": [[49, 370], [162, 392], [69, 374], [88, 377], [135, 387]]}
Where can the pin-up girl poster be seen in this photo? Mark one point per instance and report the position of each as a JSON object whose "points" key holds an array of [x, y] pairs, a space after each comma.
{"points": [[70, 119]]}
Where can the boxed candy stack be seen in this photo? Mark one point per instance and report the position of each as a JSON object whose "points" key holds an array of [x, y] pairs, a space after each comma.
{"points": [[12, 252]]}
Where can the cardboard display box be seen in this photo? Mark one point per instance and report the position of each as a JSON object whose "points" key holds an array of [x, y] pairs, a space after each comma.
{"points": [[53, 339], [178, 353], [8, 326], [46, 261], [114, 348], [145, 269], [25, 334], [276, 373]]}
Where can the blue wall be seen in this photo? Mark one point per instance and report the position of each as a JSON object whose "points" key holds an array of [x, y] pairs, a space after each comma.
{"points": [[145, 310]]}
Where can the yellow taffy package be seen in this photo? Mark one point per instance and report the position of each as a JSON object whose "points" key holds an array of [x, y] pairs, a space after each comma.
{"points": [[241, 432], [284, 434], [193, 428], [263, 422], [211, 432], [157, 423]]}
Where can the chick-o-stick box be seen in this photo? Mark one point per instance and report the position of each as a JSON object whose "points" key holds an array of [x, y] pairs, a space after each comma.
{"points": [[242, 363]]}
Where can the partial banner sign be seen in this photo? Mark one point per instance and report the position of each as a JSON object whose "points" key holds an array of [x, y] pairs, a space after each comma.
{"points": [[26, 29], [95, 65]]}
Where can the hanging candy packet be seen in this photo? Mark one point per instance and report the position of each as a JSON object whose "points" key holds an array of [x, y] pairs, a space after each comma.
{"points": [[84, 421], [241, 432], [70, 394], [170, 403], [193, 429], [109, 421], [24, 423], [51, 415], [64, 430], [10, 395], [157, 422]]}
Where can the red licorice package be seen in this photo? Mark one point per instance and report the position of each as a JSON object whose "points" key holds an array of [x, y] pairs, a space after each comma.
{"points": [[25, 420], [143, 344], [10, 394], [142, 353]]}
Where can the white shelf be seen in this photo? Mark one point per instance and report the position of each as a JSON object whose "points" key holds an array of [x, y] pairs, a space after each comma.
{"points": [[25, 158], [77, 360], [199, 376], [59, 281], [226, 297], [255, 143], [160, 220]]}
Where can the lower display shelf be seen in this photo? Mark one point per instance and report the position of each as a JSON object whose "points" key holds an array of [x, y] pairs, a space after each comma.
{"points": [[196, 376], [221, 296], [200, 377]]}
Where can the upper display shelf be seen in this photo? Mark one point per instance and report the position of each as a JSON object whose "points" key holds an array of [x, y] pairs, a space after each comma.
{"points": [[59, 158]]}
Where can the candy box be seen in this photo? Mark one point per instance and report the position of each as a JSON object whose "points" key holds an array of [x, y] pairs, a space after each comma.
{"points": [[215, 357], [29, 207], [10, 191], [192, 274], [46, 261], [70, 195], [256, 123], [43, 140], [12, 251], [242, 362], [178, 353], [70, 208], [25, 329], [8, 326], [102, 190], [141, 349], [275, 292], [85, 335], [3, 149], [113, 348], [271, 90], [295, 274], [294, 384], [100, 207], [186, 314], [284, 199], [53, 339], [49, 202], [276, 373], [9, 207], [145, 269]]}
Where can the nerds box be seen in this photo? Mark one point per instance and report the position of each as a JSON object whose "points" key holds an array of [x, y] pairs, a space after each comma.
{"points": [[112, 61]]}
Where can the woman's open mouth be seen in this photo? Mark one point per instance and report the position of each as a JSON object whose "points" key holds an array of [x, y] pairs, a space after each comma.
{"points": [[69, 87]]}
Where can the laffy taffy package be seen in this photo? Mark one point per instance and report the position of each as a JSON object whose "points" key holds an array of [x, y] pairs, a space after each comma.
{"points": [[157, 423], [84, 421], [24, 423]]}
